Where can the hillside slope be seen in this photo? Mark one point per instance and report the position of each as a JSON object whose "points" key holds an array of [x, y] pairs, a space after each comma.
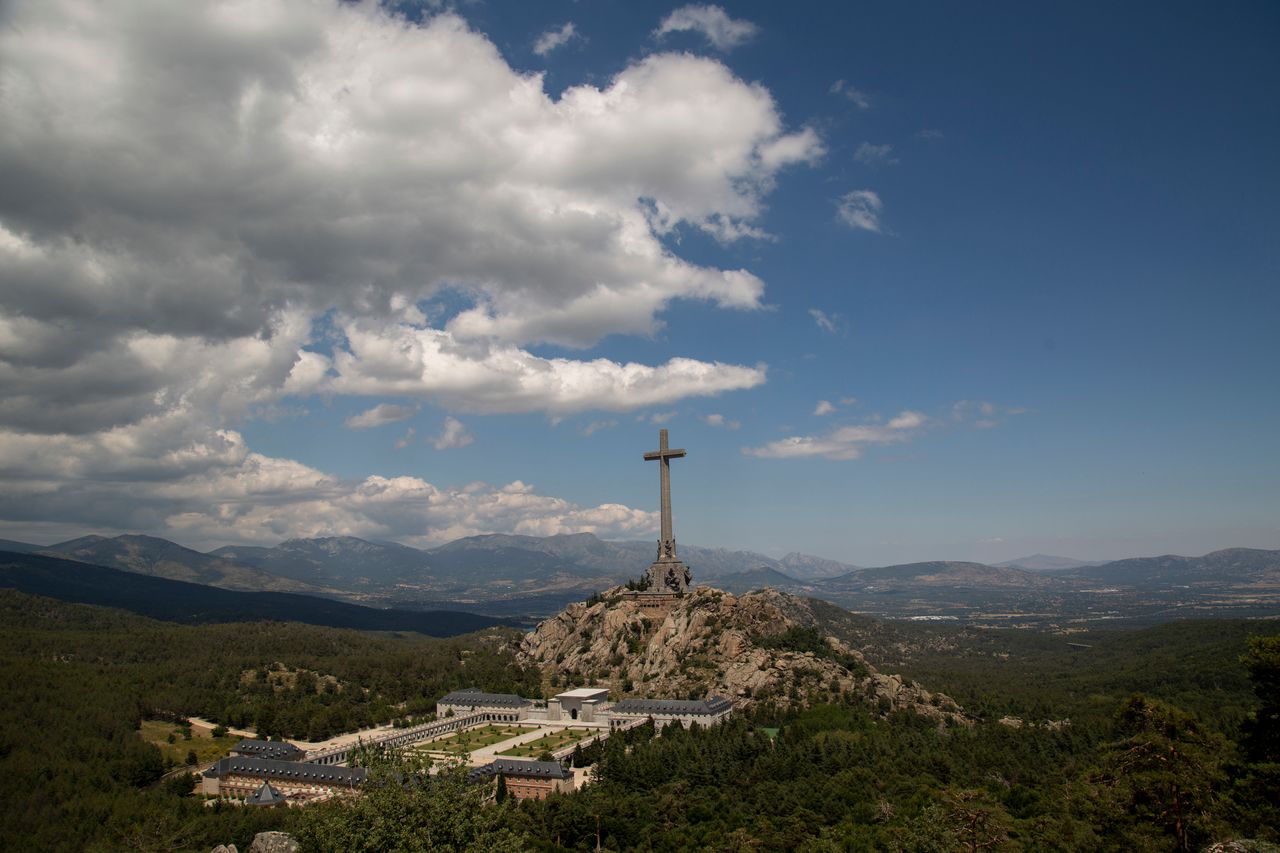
{"points": [[179, 601], [760, 647], [150, 555]]}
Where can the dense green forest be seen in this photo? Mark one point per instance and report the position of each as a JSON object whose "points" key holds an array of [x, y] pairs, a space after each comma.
{"points": [[1194, 758], [79, 680], [1146, 777]]}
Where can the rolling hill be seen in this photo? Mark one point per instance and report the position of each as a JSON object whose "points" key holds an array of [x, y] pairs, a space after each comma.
{"points": [[150, 555], [1235, 567], [1047, 563], [519, 575], [344, 562], [189, 603]]}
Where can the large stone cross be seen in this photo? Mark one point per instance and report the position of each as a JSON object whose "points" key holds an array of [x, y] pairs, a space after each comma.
{"points": [[667, 545]]}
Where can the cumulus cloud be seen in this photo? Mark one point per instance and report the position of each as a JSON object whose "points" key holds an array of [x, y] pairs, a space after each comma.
{"points": [[488, 378], [454, 434], [843, 443], [311, 156], [875, 155], [824, 407], [859, 99], [210, 489], [554, 38], [860, 209], [712, 22], [197, 195], [380, 415]]}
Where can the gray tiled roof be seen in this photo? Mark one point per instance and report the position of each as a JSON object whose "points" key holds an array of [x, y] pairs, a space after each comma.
{"points": [[277, 749], [293, 771], [265, 796], [515, 768], [709, 706], [475, 696], [531, 769]]}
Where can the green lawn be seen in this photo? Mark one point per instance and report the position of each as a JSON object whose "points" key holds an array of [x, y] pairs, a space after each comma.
{"points": [[206, 747], [549, 743], [472, 739]]}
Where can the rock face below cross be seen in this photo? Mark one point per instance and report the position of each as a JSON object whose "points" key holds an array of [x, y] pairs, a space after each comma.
{"points": [[667, 574], [729, 636]]}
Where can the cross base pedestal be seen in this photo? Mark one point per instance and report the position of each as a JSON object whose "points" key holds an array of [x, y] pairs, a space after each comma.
{"points": [[669, 576]]}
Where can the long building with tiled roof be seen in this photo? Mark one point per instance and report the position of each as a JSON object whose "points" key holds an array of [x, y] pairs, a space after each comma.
{"points": [[239, 777], [704, 712], [508, 706]]}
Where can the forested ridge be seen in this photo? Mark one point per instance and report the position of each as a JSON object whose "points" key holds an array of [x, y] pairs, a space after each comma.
{"points": [[79, 679], [75, 775]]}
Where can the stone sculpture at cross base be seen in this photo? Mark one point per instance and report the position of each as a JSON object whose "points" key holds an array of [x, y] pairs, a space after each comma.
{"points": [[671, 576], [667, 574]]}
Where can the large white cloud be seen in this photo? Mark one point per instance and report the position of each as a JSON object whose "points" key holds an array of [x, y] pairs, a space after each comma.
{"points": [[188, 187], [488, 377], [194, 170], [210, 488]]}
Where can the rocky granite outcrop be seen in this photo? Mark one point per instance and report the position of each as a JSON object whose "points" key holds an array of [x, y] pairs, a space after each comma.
{"points": [[762, 646], [265, 842]]}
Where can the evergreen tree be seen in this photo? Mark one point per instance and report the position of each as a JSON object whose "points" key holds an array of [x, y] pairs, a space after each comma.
{"points": [[1166, 771], [404, 808]]}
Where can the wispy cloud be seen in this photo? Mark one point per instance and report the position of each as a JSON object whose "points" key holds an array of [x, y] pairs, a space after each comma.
{"points": [[827, 321], [875, 155], [595, 426], [454, 435], [930, 133], [555, 38], [824, 407], [405, 440], [860, 209], [843, 443], [718, 420], [380, 415], [858, 98], [659, 417], [712, 22], [982, 414]]}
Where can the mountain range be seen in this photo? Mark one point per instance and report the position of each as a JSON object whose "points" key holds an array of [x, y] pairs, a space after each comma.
{"points": [[469, 569], [190, 603], [1047, 563], [530, 575]]}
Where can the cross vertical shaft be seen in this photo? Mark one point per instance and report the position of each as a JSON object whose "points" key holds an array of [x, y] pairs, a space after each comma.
{"points": [[664, 455]]}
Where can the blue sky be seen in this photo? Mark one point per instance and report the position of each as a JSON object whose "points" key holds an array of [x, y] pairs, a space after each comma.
{"points": [[1018, 266]]}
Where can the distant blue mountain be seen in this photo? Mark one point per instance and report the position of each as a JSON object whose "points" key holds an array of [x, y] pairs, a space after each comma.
{"points": [[189, 603]]}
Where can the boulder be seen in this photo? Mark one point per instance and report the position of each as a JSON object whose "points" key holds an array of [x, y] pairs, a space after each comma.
{"points": [[274, 842]]}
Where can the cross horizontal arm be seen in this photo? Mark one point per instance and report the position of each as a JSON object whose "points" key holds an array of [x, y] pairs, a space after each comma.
{"points": [[664, 454]]}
